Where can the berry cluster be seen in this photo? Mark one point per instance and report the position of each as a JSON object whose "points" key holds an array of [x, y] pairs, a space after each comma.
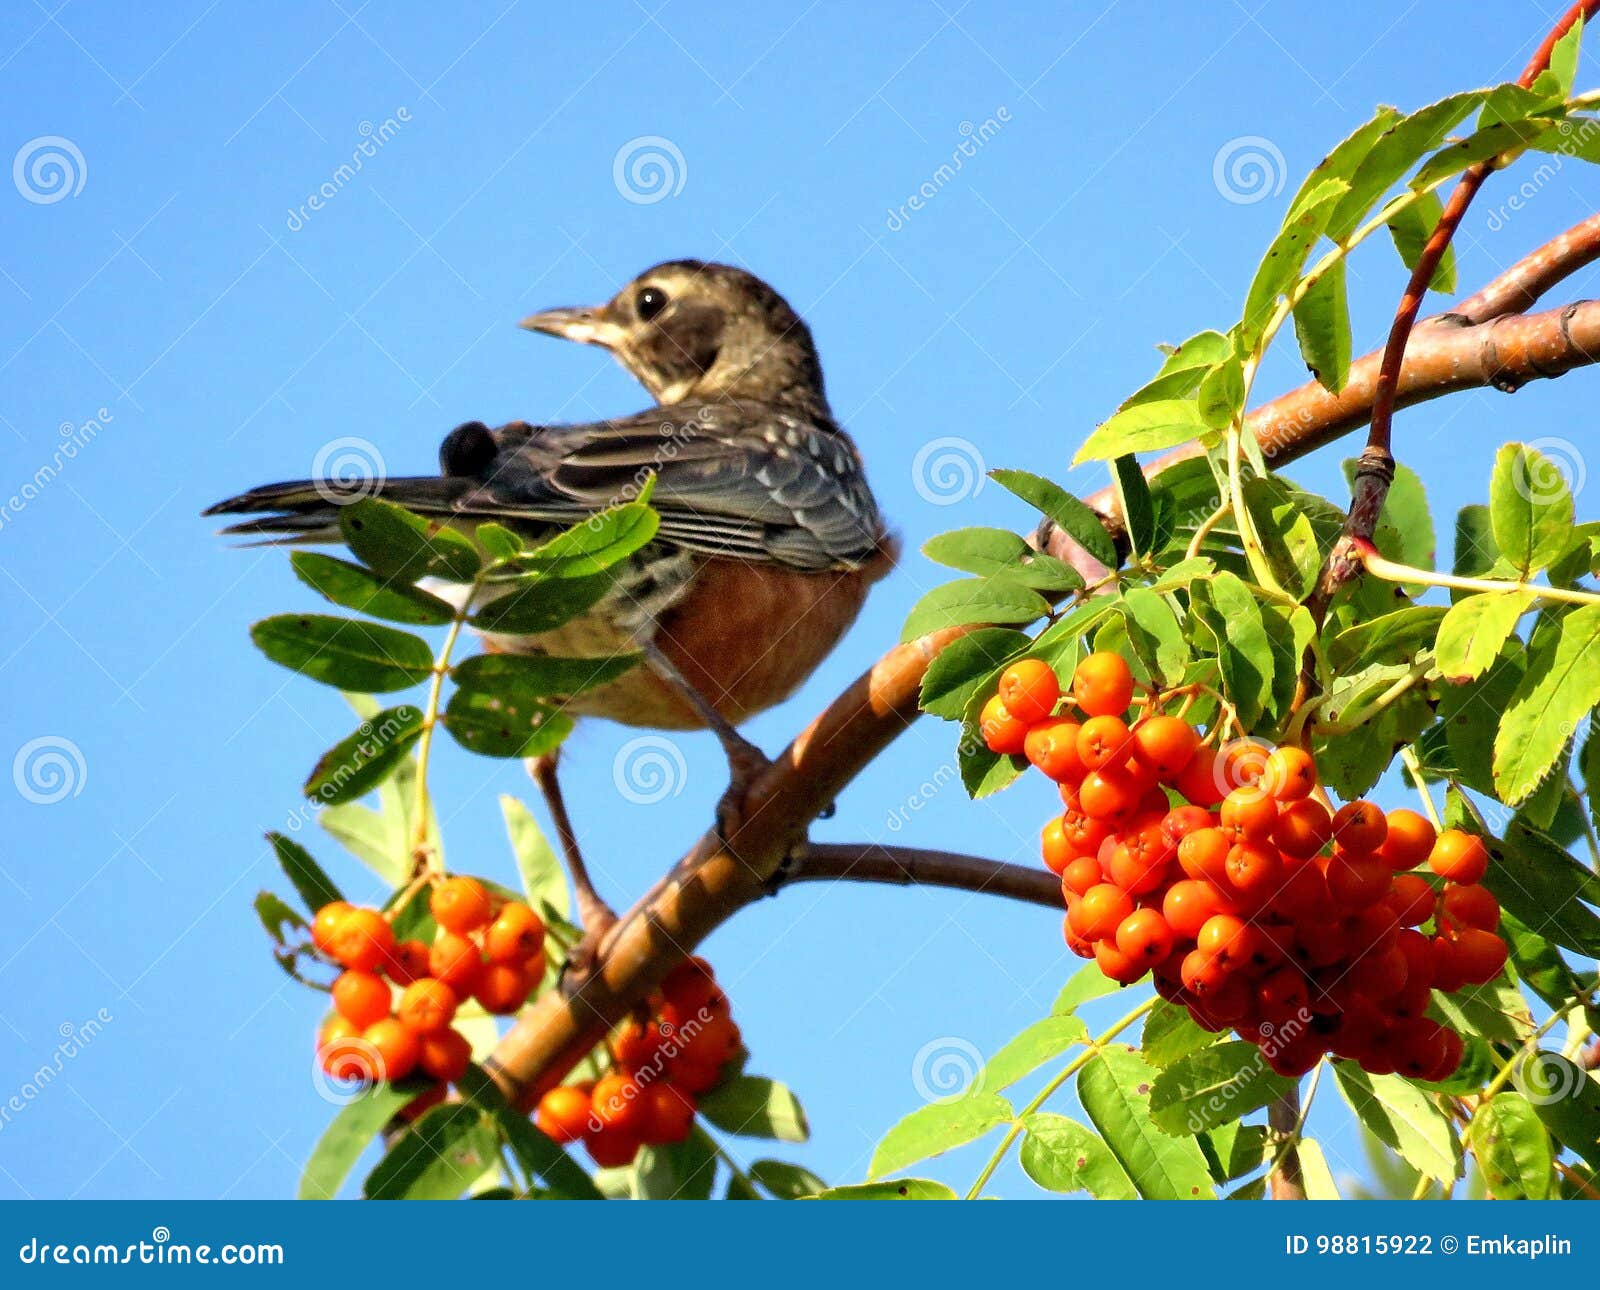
{"points": [[1224, 874], [661, 1062], [486, 949]]}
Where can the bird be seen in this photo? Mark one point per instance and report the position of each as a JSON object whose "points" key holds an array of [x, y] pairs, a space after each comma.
{"points": [[769, 537]]}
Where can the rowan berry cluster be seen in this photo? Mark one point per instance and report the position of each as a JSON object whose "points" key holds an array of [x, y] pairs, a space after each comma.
{"points": [[662, 1061], [1223, 873], [485, 949]]}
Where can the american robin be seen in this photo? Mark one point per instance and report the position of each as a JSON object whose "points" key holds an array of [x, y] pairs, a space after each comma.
{"points": [[769, 537]]}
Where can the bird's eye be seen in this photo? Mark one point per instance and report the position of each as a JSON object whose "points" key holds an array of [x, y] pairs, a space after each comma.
{"points": [[650, 302]]}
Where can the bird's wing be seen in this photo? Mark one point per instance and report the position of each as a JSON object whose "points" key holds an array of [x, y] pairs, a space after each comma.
{"points": [[750, 480]]}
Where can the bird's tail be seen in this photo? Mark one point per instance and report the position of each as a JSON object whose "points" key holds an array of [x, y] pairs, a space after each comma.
{"points": [[307, 510]]}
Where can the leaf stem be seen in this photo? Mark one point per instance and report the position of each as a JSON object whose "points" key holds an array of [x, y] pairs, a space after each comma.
{"points": [[424, 859], [1091, 1048], [1413, 764], [1390, 571]]}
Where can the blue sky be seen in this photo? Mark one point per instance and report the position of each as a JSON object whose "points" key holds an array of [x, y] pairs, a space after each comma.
{"points": [[183, 296]]}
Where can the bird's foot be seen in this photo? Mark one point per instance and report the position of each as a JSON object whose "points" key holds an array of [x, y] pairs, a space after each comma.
{"points": [[746, 764]]}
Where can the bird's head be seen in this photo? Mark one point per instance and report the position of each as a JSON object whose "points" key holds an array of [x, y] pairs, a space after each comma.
{"points": [[692, 330]]}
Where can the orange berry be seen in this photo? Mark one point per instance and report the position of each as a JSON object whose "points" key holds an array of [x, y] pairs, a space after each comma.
{"points": [[1472, 906], [1137, 865], [1081, 874], [396, 1047], [1479, 955], [611, 1148], [1460, 857], [1411, 898], [427, 1006], [1165, 744], [1181, 821], [327, 919], [1248, 815], [407, 962], [502, 988], [1409, 840], [1100, 911], [1104, 741], [361, 998], [1203, 973], [669, 1113], [444, 1055], [1201, 781], [460, 904], [1102, 685], [1356, 879], [1029, 690], [691, 986], [361, 940], [1254, 869], [455, 960], [1117, 966], [618, 1103], [1302, 890], [1108, 795], [1052, 746], [1203, 854], [1289, 774], [1053, 845], [1083, 831], [696, 1077], [1359, 826], [1144, 937], [1002, 732], [1228, 939], [1187, 905], [515, 936], [563, 1113], [340, 1050], [1302, 828], [636, 1044]]}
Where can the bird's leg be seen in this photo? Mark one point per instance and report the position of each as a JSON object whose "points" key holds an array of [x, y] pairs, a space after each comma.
{"points": [[745, 761], [593, 912]]}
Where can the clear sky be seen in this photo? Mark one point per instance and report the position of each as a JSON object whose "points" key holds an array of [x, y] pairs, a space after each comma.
{"points": [[219, 329]]}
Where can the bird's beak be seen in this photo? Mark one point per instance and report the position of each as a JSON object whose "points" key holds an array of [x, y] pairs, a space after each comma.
{"points": [[587, 326]]}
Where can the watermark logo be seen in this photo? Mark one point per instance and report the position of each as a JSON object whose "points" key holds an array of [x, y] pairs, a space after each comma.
{"points": [[649, 169], [348, 469], [49, 169], [49, 769], [973, 140], [649, 769], [373, 138], [948, 470], [945, 1069], [1248, 170], [1549, 468]]}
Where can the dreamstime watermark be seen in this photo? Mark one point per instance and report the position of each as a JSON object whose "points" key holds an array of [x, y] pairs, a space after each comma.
{"points": [[1575, 136], [946, 1069], [1549, 468], [48, 169], [672, 1040], [347, 470], [1275, 1037], [49, 769], [973, 140], [373, 138], [76, 436], [649, 769], [160, 1250], [648, 169], [1249, 169], [948, 470], [1545, 1078], [920, 796], [74, 1038]]}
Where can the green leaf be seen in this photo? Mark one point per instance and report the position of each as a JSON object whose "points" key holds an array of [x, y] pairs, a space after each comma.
{"points": [[538, 1155], [542, 604], [1389, 639], [936, 1128], [544, 881], [1469, 712], [1171, 1033], [1411, 226], [1246, 656], [1142, 428], [1545, 888], [1314, 1172], [1475, 547], [441, 1155], [963, 667], [313, 886], [1480, 145], [1393, 152], [1530, 508], [1059, 643], [1580, 559], [973, 600], [1559, 689], [891, 1189], [379, 842], [390, 540], [1083, 986], [1233, 1150], [348, 1135], [753, 1107], [1062, 1155], [786, 1181], [1083, 524], [605, 539], [345, 652], [1346, 159], [1024, 1054], [1214, 1086], [1285, 259], [1155, 634], [1135, 505], [1221, 394], [1565, 1097], [1403, 1118], [504, 724], [366, 757], [1288, 531], [1322, 328], [275, 915], [536, 675], [987, 552], [1183, 368], [1563, 66], [1114, 1088], [360, 589], [499, 541], [1472, 634], [1509, 1142]]}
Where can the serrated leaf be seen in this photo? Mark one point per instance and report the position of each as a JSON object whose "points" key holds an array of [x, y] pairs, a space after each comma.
{"points": [[1143, 427], [1400, 146], [961, 669], [1221, 394], [1512, 1148], [1082, 523], [1171, 1033], [1044, 1039], [537, 675], [1233, 1150], [1480, 145], [1135, 505], [753, 1107], [1285, 259], [1322, 328], [500, 724], [1155, 634], [1558, 691], [604, 539], [988, 551], [1389, 639], [437, 1158], [1563, 65], [1403, 1118], [354, 587], [1213, 1086], [1545, 888], [1114, 1089], [499, 541], [1411, 226], [366, 757], [543, 878], [1062, 1155], [349, 1134], [786, 1181], [311, 884], [345, 652], [938, 1127], [892, 1189], [1469, 712], [403, 547], [1083, 986], [541, 604], [1565, 1097], [1289, 531], [1472, 633], [276, 914], [1530, 508], [538, 1155], [1475, 549], [1246, 656], [973, 600]]}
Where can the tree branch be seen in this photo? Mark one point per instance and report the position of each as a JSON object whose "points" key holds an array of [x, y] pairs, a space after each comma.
{"points": [[914, 866], [1521, 286]]}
